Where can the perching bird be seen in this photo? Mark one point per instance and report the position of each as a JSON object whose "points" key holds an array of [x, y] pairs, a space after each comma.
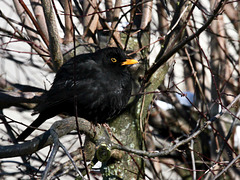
{"points": [[100, 82]]}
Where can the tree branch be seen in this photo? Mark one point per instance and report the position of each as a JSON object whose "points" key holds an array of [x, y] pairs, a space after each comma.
{"points": [[178, 143], [39, 14], [61, 127], [8, 99], [162, 59], [54, 45], [34, 22]]}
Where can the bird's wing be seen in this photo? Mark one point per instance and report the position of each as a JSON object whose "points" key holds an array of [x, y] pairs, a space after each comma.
{"points": [[76, 77]]}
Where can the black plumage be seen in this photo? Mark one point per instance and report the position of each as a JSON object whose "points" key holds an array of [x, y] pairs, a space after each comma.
{"points": [[100, 83]]}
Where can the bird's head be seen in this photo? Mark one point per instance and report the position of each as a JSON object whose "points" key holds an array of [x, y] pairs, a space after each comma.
{"points": [[114, 56]]}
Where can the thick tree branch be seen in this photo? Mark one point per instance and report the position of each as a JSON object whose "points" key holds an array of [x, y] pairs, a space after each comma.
{"points": [[61, 127], [54, 45]]}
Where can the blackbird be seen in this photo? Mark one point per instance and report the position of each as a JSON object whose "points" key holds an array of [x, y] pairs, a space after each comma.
{"points": [[99, 84]]}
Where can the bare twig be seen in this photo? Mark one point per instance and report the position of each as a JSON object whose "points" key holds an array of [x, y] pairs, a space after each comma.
{"points": [[227, 167], [90, 23], [34, 22], [180, 143], [116, 39], [52, 155], [72, 161], [116, 14], [36, 44], [161, 60], [193, 160], [56, 146]]}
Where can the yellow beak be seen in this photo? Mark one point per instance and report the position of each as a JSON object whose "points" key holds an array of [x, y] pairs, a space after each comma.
{"points": [[129, 62]]}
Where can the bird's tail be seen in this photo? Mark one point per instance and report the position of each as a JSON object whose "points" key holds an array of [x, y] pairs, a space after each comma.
{"points": [[35, 124]]}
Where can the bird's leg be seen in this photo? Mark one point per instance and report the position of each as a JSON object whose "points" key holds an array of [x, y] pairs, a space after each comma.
{"points": [[93, 126], [108, 128]]}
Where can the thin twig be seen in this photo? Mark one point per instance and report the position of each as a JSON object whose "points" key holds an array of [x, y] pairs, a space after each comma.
{"points": [[71, 159], [226, 168], [34, 22], [193, 160], [161, 60], [53, 154], [180, 143]]}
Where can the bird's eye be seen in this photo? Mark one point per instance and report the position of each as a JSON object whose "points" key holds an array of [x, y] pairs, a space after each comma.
{"points": [[113, 60]]}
